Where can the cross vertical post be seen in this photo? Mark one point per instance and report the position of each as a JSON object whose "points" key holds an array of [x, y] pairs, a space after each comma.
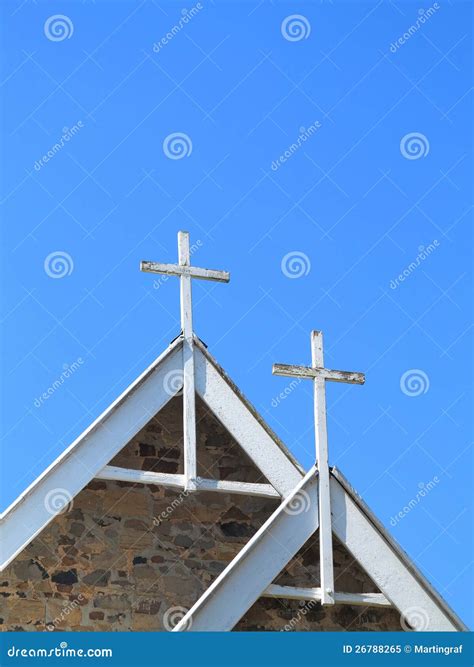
{"points": [[321, 440], [189, 400], [320, 375], [186, 273]]}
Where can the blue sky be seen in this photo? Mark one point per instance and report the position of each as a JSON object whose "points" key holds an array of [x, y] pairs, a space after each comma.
{"points": [[376, 184]]}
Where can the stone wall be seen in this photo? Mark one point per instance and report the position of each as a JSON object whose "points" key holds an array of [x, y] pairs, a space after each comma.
{"points": [[135, 557]]}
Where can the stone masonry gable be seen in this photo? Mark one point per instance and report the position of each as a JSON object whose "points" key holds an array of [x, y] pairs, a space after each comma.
{"points": [[159, 447], [125, 557], [293, 615]]}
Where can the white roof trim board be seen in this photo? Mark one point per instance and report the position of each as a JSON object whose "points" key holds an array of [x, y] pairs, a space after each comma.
{"points": [[87, 456], [31, 512], [252, 571], [261, 560]]}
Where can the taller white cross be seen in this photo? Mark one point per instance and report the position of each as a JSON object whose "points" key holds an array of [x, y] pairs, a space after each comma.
{"points": [[319, 375], [186, 272]]}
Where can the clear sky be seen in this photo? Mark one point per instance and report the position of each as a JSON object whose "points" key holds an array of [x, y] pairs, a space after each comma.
{"points": [[375, 182]]}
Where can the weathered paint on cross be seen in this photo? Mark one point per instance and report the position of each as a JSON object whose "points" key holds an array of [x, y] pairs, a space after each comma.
{"points": [[321, 438], [189, 399], [186, 273], [319, 375]]}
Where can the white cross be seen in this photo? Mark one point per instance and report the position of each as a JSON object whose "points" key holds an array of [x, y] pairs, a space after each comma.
{"points": [[319, 375], [186, 272]]}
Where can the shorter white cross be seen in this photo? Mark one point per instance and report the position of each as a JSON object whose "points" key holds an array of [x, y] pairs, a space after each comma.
{"points": [[319, 375], [186, 272]]}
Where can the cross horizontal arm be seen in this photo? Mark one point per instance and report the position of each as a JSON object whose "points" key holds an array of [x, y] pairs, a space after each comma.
{"points": [[179, 270], [325, 373]]}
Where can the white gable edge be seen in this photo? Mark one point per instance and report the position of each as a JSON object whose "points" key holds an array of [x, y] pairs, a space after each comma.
{"points": [[227, 599], [74, 468], [28, 515], [257, 564], [355, 525]]}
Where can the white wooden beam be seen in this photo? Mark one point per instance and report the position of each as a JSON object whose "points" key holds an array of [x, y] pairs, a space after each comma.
{"points": [[388, 567], [86, 456], [321, 438], [189, 400], [258, 563], [244, 424], [348, 377], [141, 477], [178, 482], [356, 599], [192, 271], [239, 488]]}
